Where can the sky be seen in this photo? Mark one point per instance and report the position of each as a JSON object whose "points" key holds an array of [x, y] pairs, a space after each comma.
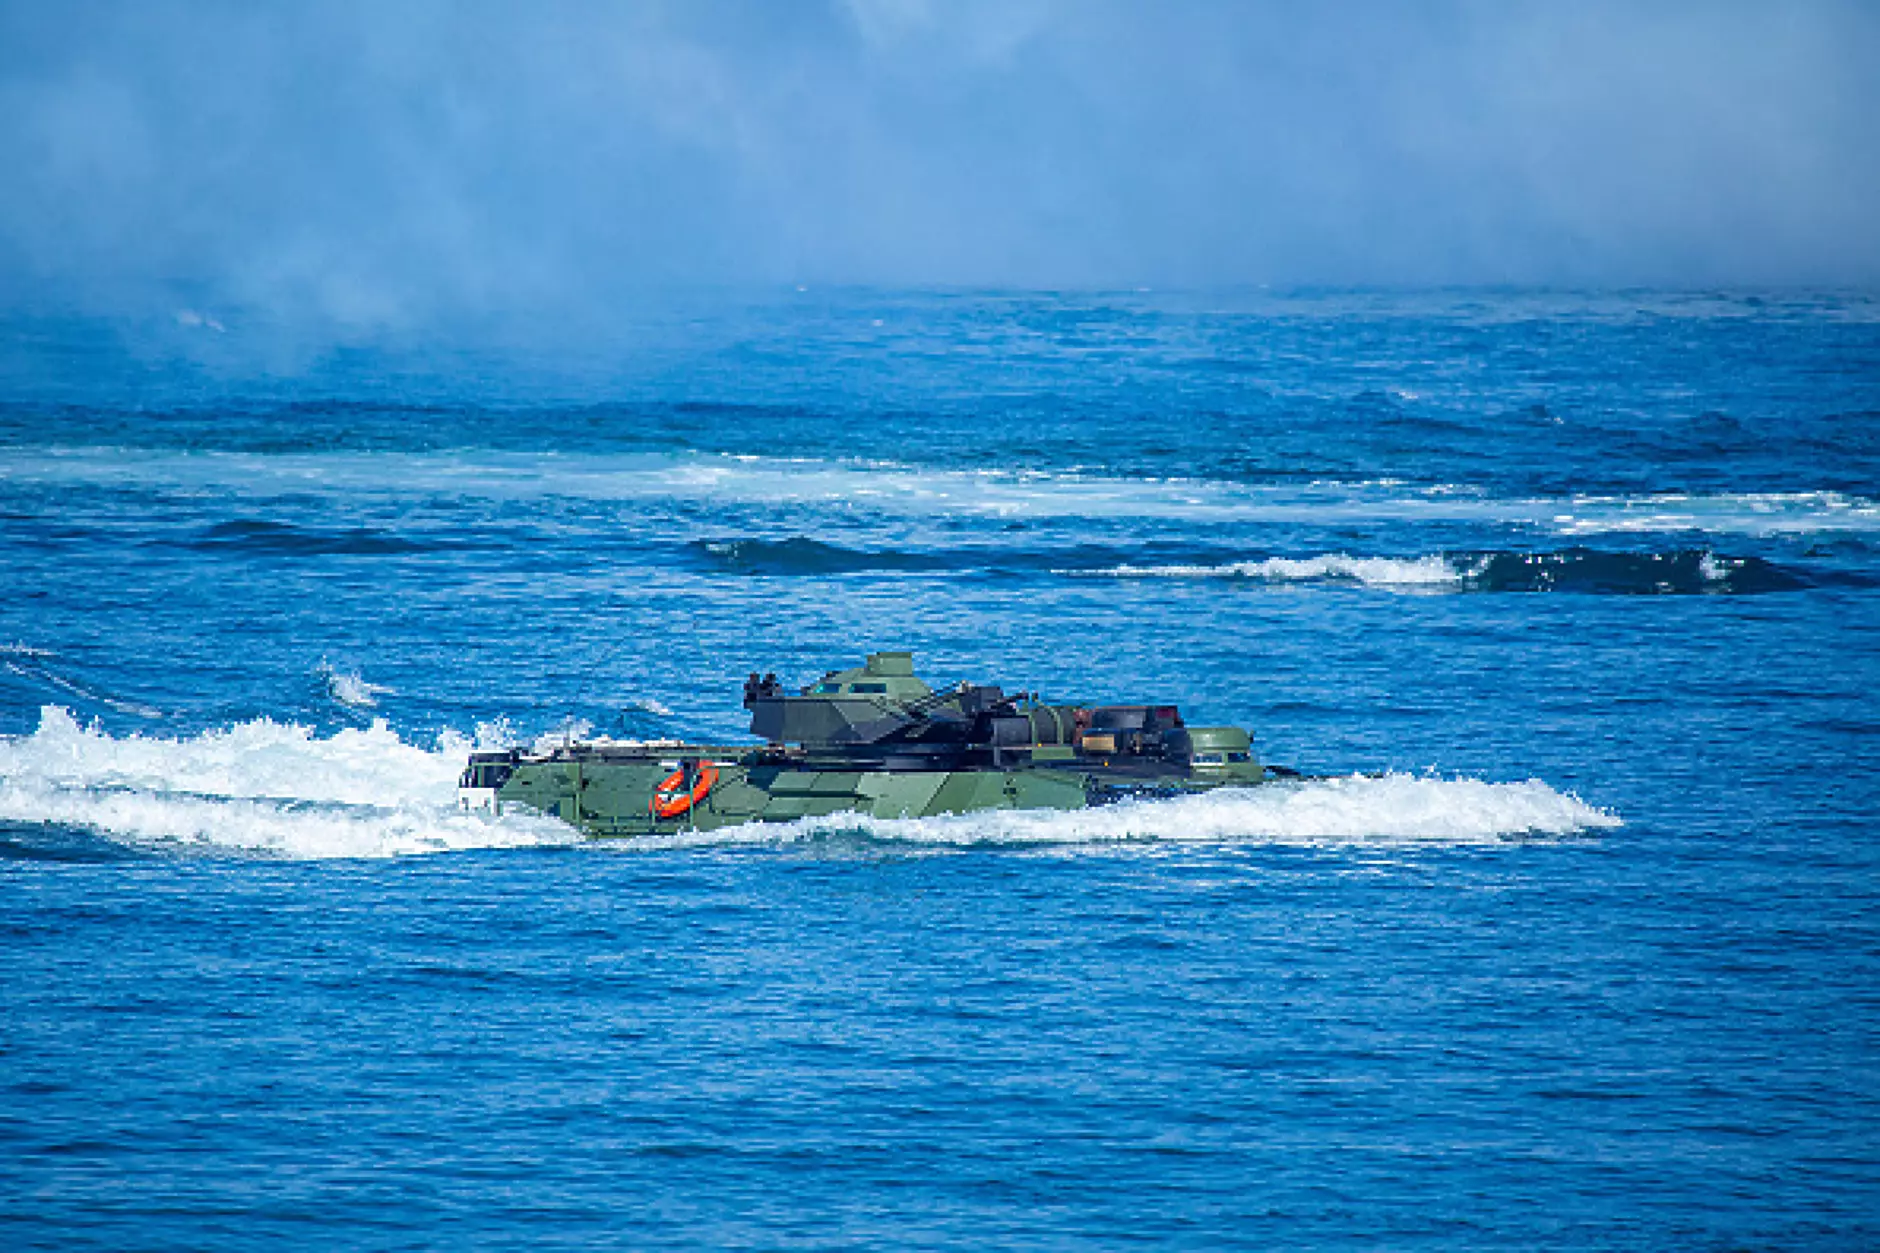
{"points": [[373, 163]]}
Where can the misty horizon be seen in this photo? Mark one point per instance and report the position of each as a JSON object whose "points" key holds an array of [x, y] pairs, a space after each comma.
{"points": [[382, 167]]}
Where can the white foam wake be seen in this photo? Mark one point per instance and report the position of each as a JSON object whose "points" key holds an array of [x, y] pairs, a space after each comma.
{"points": [[277, 788], [1413, 572], [262, 786], [1393, 809]]}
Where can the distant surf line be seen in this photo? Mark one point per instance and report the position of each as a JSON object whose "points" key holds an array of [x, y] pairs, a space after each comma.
{"points": [[901, 489]]}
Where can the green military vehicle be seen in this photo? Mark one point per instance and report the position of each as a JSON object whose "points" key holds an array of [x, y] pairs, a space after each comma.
{"points": [[873, 740]]}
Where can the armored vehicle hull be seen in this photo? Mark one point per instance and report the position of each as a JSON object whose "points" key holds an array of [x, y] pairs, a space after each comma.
{"points": [[874, 741]]}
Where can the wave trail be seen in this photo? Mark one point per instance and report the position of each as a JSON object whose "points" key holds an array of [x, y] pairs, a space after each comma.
{"points": [[1387, 810], [801, 555], [283, 539], [36, 666], [261, 786]]}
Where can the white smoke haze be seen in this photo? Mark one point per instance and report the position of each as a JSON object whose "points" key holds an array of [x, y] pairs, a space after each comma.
{"points": [[375, 165]]}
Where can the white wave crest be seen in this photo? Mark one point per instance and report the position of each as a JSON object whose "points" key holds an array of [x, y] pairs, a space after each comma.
{"points": [[647, 705], [1388, 810], [349, 687], [261, 786], [1411, 572]]}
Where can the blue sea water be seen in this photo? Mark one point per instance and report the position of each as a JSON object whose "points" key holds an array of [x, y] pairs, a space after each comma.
{"points": [[1589, 582]]}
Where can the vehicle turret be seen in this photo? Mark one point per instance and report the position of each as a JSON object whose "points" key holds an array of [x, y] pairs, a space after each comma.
{"points": [[889, 675], [873, 702]]}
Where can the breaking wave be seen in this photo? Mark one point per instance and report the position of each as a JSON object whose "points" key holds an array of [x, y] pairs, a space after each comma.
{"points": [[260, 787], [1330, 567], [1576, 569], [1681, 571]]}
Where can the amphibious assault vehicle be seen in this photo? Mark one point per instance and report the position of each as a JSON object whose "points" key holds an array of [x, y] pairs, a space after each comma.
{"points": [[873, 740]]}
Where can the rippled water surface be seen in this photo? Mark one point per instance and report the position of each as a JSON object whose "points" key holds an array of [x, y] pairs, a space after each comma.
{"points": [[1574, 597]]}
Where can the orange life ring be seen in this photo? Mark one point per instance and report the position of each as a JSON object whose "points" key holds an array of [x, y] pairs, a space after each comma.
{"points": [[670, 798]]}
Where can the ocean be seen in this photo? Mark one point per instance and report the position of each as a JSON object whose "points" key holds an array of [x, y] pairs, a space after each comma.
{"points": [[1573, 597]]}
